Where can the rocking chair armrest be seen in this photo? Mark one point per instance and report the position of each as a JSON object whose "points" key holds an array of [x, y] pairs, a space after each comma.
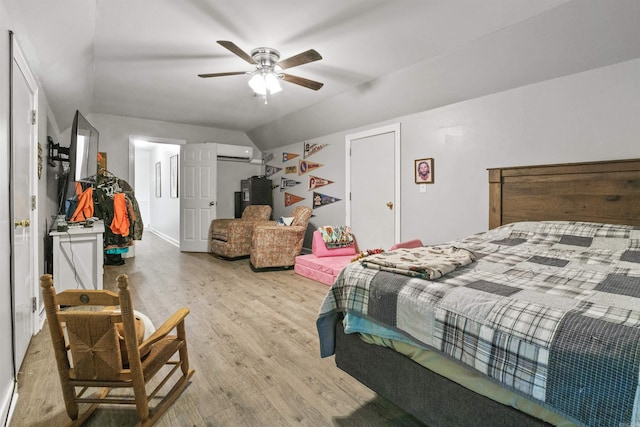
{"points": [[175, 320]]}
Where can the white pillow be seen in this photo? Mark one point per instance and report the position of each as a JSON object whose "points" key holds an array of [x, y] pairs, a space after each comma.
{"points": [[285, 220]]}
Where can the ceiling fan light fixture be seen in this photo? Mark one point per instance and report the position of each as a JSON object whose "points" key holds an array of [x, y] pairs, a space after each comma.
{"points": [[261, 83], [265, 79], [258, 84], [273, 83]]}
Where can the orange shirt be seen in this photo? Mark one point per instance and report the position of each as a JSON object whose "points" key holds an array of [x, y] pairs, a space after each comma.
{"points": [[120, 224]]}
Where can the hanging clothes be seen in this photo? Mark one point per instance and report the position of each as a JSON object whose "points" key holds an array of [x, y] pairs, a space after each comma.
{"points": [[120, 223], [84, 209]]}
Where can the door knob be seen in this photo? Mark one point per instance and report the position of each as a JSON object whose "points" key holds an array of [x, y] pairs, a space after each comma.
{"points": [[22, 223], [390, 205], [212, 203]]}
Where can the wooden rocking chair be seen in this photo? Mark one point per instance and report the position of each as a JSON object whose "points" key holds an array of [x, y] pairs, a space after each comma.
{"points": [[91, 356]]}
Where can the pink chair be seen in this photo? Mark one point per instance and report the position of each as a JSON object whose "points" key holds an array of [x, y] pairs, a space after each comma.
{"points": [[324, 264]]}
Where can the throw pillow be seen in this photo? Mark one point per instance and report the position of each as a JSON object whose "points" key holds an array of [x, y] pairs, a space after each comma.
{"points": [[285, 220]]}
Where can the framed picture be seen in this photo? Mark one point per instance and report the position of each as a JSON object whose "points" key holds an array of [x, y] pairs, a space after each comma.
{"points": [[158, 180], [423, 171], [173, 165]]}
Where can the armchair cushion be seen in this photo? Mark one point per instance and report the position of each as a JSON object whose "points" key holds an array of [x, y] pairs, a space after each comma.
{"points": [[256, 213]]}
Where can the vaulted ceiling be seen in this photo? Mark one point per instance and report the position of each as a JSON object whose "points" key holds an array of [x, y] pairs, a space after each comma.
{"points": [[141, 58]]}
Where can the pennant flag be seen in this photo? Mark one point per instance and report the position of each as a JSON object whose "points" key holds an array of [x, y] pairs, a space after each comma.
{"points": [[315, 182], [271, 170], [284, 183], [322, 200], [304, 166], [289, 156], [310, 149], [267, 157], [291, 169], [290, 199]]}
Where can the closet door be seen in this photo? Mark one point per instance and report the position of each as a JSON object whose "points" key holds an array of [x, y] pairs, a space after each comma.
{"points": [[373, 205], [198, 175]]}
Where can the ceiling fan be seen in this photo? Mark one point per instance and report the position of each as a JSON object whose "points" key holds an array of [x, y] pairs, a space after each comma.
{"points": [[269, 68]]}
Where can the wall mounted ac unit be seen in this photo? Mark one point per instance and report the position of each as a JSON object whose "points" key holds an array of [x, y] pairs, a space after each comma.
{"points": [[234, 152]]}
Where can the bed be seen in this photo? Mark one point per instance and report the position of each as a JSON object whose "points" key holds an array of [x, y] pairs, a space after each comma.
{"points": [[553, 335]]}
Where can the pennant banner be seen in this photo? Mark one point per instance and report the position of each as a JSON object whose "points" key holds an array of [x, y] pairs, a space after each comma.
{"points": [[288, 156], [290, 199], [315, 182], [291, 169], [271, 170], [305, 166], [322, 200], [267, 157], [310, 149], [284, 183]]}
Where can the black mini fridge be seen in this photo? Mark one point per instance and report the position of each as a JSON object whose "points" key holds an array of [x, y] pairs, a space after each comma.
{"points": [[256, 190]]}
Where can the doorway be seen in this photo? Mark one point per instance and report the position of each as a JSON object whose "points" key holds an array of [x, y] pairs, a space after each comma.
{"points": [[373, 186], [160, 211]]}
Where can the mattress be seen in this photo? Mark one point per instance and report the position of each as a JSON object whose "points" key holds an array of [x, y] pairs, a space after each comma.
{"points": [[321, 269]]}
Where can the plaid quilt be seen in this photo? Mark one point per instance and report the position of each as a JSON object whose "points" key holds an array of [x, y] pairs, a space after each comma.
{"points": [[549, 309]]}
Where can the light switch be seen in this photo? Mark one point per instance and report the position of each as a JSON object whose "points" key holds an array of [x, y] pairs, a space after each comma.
{"points": [[423, 188]]}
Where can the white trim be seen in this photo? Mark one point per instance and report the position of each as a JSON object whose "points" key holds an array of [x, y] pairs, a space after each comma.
{"points": [[9, 404], [392, 128], [163, 236]]}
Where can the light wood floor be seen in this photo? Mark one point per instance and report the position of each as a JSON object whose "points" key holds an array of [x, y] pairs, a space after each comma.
{"points": [[252, 341]]}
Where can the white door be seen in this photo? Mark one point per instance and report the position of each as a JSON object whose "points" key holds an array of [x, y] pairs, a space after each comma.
{"points": [[23, 190], [198, 174], [373, 208]]}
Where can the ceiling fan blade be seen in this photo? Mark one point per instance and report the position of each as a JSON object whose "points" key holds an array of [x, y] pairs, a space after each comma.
{"points": [[231, 73], [231, 46], [311, 84], [299, 59]]}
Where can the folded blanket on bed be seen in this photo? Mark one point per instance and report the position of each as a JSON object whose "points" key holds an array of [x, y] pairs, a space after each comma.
{"points": [[425, 262]]}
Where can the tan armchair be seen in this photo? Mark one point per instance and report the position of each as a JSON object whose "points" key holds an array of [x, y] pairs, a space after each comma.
{"points": [[231, 237], [276, 245]]}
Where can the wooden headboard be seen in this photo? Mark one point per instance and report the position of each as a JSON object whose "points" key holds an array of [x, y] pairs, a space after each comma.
{"points": [[606, 192]]}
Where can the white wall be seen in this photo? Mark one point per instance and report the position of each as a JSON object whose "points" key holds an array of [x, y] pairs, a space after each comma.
{"points": [[594, 115], [164, 211], [584, 117]]}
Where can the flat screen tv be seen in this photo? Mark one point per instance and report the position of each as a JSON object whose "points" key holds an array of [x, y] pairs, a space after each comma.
{"points": [[83, 151], [83, 161]]}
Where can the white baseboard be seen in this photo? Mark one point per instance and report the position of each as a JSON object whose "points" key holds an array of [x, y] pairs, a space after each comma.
{"points": [[163, 236], [9, 403]]}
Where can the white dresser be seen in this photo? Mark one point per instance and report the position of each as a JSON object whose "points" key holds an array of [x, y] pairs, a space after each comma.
{"points": [[78, 257]]}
